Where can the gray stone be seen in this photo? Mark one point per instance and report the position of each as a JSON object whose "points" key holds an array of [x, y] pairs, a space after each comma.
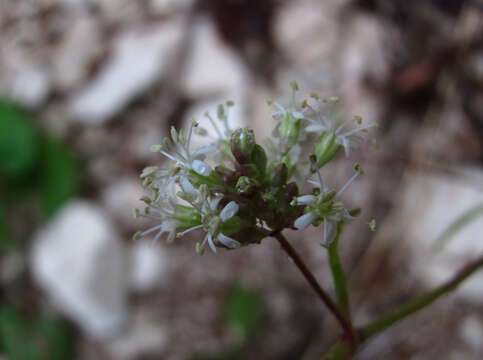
{"points": [[138, 61], [79, 261], [30, 86], [430, 204]]}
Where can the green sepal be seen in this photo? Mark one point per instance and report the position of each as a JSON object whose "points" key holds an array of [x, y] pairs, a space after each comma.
{"points": [[326, 148], [232, 225], [259, 159], [280, 175], [187, 216], [289, 131], [242, 144], [213, 179], [246, 185]]}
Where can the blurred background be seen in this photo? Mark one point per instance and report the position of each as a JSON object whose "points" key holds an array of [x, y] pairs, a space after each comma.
{"points": [[86, 86]]}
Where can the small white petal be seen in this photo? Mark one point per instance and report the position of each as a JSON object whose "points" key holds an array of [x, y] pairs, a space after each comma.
{"points": [[304, 221], [214, 203], [330, 232], [201, 167], [346, 145], [204, 150], [306, 200], [211, 243], [316, 183], [315, 128], [229, 211], [228, 241], [297, 114], [187, 186]]}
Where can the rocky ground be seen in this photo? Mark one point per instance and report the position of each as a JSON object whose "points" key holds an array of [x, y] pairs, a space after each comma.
{"points": [[108, 78]]}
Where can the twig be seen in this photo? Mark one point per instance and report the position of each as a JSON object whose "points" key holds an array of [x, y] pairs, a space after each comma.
{"points": [[292, 253]]}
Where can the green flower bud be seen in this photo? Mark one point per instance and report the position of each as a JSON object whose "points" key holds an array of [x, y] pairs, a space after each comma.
{"points": [[227, 175], [242, 144], [326, 148], [232, 226], [280, 174], [246, 185], [289, 131], [259, 158], [187, 216]]}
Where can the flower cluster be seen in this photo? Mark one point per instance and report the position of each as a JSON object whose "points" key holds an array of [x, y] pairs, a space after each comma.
{"points": [[248, 195]]}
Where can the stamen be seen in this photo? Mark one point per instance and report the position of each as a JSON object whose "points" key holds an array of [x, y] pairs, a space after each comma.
{"points": [[149, 231], [362, 128], [220, 135], [347, 184], [183, 233]]}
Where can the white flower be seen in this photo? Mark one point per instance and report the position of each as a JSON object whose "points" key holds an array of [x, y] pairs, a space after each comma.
{"points": [[212, 219], [323, 208], [326, 117], [162, 210], [180, 152], [223, 132], [292, 108]]}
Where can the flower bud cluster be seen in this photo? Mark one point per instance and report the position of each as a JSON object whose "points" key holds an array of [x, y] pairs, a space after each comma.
{"points": [[250, 191]]}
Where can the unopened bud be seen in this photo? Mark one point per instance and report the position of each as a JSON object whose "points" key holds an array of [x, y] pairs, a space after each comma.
{"points": [[280, 174], [242, 144], [326, 148]]}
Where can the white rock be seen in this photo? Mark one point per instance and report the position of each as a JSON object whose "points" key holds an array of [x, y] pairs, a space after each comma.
{"points": [[168, 6], [121, 197], [70, 65], [212, 67], [149, 266], [30, 86], [80, 263], [471, 331], [138, 62], [431, 203], [306, 30]]}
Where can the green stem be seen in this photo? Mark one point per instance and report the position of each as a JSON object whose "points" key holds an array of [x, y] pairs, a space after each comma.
{"points": [[297, 259], [342, 349], [340, 281], [419, 302]]}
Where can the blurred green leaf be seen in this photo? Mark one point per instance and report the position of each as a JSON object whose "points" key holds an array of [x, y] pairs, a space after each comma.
{"points": [[59, 175], [40, 339], [5, 240], [18, 141], [243, 310]]}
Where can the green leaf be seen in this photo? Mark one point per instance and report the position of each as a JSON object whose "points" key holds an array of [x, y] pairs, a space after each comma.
{"points": [[42, 338], [59, 175], [243, 310], [338, 275], [18, 141], [5, 240]]}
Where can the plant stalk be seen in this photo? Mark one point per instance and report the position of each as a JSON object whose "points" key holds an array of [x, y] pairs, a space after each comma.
{"points": [[292, 253], [340, 280], [342, 349]]}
